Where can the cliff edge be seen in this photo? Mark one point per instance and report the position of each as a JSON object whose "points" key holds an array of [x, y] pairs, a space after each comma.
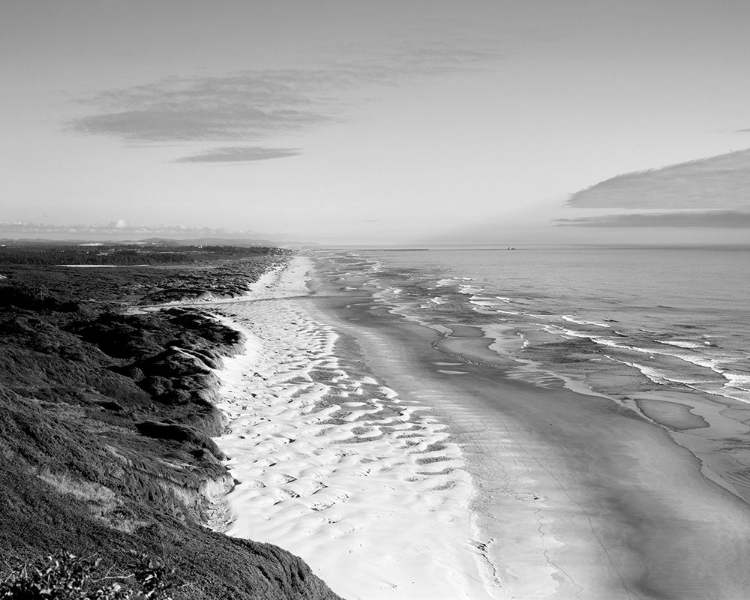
{"points": [[106, 421]]}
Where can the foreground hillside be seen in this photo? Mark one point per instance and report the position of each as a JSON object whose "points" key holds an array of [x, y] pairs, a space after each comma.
{"points": [[106, 416]]}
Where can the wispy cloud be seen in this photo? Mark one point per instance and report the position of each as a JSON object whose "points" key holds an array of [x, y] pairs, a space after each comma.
{"points": [[711, 218], [719, 182], [235, 154], [256, 105]]}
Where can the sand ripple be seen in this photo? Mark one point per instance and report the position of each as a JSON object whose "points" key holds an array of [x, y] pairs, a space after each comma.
{"points": [[334, 466]]}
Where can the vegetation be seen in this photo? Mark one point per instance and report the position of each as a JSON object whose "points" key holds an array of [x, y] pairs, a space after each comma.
{"points": [[106, 420], [41, 277], [70, 577], [126, 254]]}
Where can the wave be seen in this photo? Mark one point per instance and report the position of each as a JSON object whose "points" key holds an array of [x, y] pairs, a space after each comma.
{"points": [[655, 339], [582, 322]]}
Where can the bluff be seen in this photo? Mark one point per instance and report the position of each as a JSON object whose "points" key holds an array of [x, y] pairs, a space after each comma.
{"points": [[106, 418]]}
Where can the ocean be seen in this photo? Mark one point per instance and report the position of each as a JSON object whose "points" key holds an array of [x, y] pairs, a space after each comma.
{"points": [[620, 320]]}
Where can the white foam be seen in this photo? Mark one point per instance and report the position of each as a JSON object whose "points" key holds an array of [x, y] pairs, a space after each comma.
{"points": [[700, 360], [682, 344], [480, 301], [738, 381], [572, 319], [100, 266]]}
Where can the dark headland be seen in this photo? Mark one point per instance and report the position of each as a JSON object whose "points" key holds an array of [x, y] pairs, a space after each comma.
{"points": [[107, 414]]}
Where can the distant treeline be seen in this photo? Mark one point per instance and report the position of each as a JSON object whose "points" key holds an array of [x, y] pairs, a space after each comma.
{"points": [[49, 254]]}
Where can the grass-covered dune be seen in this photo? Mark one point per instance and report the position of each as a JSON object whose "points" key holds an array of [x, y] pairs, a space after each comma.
{"points": [[106, 417]]}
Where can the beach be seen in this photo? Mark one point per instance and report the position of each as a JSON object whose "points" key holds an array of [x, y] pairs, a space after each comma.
{"points": [[402, 461], [362, 483]]}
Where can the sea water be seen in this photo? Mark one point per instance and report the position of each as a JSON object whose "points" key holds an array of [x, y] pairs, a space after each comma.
{"points": [[617, 319]]}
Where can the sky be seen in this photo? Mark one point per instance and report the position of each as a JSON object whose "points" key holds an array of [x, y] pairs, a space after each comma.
{"points": [[389, 122]]}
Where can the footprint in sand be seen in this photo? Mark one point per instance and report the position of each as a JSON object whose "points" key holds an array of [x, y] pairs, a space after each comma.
{"points": [[307, 488], [283, 495], [326, 498], [280, 478]]}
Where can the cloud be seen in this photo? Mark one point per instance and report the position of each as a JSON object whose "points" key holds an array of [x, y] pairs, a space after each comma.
{"points": [[711, 218], [719, 182], [257, 104], [234, 154], [184, 122]]}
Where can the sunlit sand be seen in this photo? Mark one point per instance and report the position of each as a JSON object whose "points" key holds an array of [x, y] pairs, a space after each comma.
{"points": [[340, 469]]}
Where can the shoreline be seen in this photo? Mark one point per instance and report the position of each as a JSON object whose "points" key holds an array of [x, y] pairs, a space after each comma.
{"points": [[577, 496], [584, 497], [338, 468], [698, 421]]}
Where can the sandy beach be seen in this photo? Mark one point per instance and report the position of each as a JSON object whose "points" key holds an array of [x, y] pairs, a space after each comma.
{"points": [[364, 484], [403, 463]]}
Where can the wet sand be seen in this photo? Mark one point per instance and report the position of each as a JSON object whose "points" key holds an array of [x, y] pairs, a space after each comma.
{"points": [[579, 496]]}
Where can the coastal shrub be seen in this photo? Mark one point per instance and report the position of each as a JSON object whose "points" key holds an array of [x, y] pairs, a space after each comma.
{"points": [[66, 576]]}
